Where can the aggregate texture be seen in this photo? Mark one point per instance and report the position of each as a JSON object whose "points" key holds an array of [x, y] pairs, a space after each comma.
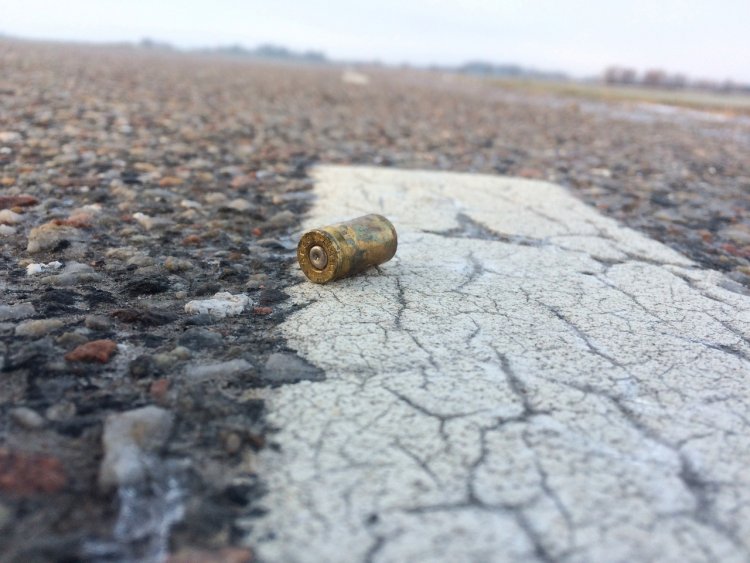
{"points": [[149, 207], [526, 380]]}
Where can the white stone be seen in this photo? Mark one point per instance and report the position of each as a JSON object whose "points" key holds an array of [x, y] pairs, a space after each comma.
{"points": [[239, 204], [354, 77], [129, 440], [28, 418], [8, 217], [214, 197], [38, 327], [15, 312], [525, 380], [9, 136], [228, 368], [72, 274], [190, 204], [33, 269], [148, 222], [222, 304], [6, 230]]}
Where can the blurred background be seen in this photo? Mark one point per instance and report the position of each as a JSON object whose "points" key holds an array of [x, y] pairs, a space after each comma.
{"points": [[675, 43], [163, 150]]}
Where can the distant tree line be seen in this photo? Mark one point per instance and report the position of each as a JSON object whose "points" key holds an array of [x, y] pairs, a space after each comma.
{"points": [[658, 78], [484, 68], [265, 51]]}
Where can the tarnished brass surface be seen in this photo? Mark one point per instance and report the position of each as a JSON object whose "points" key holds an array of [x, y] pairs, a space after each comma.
{"points": [[349, 247]]}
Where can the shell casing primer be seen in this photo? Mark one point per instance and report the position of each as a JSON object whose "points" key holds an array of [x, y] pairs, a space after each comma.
{"points": [[345, 249]]}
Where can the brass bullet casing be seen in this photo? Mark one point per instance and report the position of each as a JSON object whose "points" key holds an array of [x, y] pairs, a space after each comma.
{"points": [[344, 249]]}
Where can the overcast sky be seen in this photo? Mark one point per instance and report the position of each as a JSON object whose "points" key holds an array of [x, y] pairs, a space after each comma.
{"points": [[701, 38]]}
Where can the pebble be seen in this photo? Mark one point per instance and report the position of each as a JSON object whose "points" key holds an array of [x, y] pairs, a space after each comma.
{"points": [[158, 390], [356, 78], [28, 418], [271, 296], [167, 360], [256, 281], [95, 351], [232, 443], [122, 253], [128, 440], [170, 181], [739, 233], [15, 312], [9, 136], [225, 369], [71, 339], [281, 219], [192, 240], [78, 219], [8, 217], [200, 339], [190, 204], [223, 304], [141, 260], [150, 223], [34, 269], [146, 284], [289, 368], [97, 322], [10, 201], [207, 288], [239, 205], [163, 361], [144, 220], [225, 555], [26, 474], [143, 366], [6, 516], [38, 327], [7, 231], [174, 264], [59, 412], [74, 273], [201, 319], [214, 197], [181, 353], [49, 236]]}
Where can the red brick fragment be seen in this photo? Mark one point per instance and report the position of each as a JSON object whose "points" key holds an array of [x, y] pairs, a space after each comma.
{"points": [[170, 181], [9, 201], [226, 555], [242, 181], [262, 310], [77, 221], [94, 351], [158, 390], [26, 474], [734, 250], [530, 173]]}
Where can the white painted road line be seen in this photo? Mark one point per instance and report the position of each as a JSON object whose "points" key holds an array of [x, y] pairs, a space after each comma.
{"points": [[525, 380]]}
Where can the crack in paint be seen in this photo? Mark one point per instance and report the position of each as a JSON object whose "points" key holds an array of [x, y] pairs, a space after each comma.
{"points": [[500, 396]]}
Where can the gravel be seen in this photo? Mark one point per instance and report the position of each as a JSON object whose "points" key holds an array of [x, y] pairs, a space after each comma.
{"points": [[149, 203]]}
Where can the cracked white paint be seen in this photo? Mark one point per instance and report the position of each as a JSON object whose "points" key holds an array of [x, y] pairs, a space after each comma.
{"points": [[525, 380]]}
